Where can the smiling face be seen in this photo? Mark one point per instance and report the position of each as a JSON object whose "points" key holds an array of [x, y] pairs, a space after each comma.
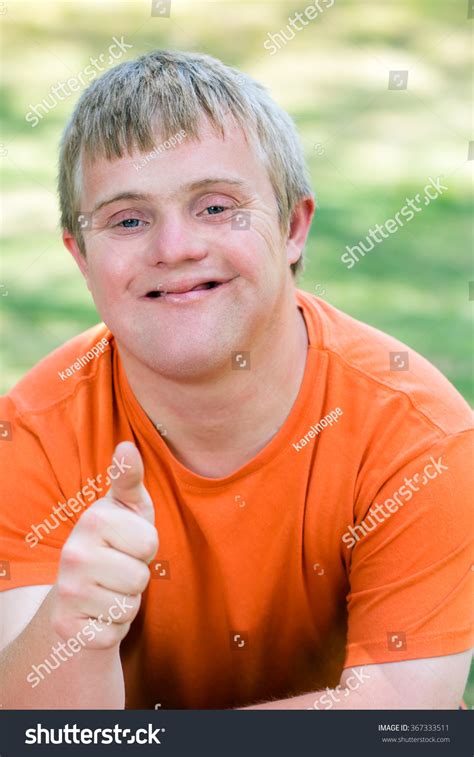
{"points": [[186, 264]]}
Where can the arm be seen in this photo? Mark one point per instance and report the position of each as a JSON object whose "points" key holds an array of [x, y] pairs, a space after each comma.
{"points": [[70, 645], [99, 671], [435, 683]]}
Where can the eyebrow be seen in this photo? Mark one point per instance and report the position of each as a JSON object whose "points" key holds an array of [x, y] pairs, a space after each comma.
{"points": [[185, 187]]}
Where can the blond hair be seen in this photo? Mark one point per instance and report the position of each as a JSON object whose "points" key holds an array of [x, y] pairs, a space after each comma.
{"points": [[118, 112]]}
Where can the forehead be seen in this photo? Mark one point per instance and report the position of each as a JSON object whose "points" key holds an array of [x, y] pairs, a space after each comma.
{"points": [[166, 171]]}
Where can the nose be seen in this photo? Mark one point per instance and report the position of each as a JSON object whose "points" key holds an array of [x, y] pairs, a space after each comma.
{"points": [[175, 241]]}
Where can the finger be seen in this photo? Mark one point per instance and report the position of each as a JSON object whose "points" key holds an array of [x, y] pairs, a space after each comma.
{"points": [[118, 572], [108, 522], [128, 488], [107, 607]]}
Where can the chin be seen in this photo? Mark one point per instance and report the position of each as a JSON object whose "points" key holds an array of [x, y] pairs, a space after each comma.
{"points": [[186, 361]]}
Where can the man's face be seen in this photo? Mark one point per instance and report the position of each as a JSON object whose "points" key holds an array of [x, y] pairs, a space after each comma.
{"points": [[199, 216]]}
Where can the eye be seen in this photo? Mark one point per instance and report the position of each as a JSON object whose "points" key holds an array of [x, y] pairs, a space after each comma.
{"points": [[129, 223], [215, 209], [122, 224], [215, 204]]}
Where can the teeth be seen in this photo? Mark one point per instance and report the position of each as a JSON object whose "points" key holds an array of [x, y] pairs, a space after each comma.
{"points": [[206, 285]]}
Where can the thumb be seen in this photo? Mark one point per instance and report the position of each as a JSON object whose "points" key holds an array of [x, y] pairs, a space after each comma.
{"points": [[127, 487]]}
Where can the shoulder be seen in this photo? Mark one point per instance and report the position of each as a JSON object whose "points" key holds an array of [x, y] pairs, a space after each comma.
{"points": [[376, 370], [56, 379]]}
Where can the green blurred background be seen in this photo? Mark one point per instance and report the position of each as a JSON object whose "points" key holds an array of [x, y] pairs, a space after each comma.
{"points": [[368, 148]]}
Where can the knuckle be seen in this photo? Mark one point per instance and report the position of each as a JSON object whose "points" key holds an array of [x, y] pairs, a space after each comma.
{"points": [[68, 589], [87, 520], [62, 626], [92, 519], [71, 555], [136, 601], [128, 615], [140, 579], [150, 543]]}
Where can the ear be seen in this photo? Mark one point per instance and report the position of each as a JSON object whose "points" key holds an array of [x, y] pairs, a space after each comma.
{"points": [[299, 227], [70, 243]]}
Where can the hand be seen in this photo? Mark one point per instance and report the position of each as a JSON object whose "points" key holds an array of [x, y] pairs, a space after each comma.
{"points": [[104, 562]]}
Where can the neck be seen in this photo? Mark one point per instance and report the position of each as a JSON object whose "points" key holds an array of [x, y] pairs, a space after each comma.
{"points": [[215, 426]]}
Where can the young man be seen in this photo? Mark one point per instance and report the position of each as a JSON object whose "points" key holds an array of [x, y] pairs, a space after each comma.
{"points": [[311, 504]]}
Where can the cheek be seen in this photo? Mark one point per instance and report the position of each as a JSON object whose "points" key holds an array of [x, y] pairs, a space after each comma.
{"points": [[255, 256], [108, 278]]}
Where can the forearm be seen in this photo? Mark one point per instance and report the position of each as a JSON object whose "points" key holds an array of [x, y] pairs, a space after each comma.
{"points": [[330, 699], [351, 693], [439, 685], [88, 679]]}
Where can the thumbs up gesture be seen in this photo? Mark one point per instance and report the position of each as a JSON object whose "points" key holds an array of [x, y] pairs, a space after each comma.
{"points": [[104, 563]]}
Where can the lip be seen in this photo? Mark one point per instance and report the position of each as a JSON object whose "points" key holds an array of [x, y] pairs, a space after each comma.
{"points": [[190, 296]]}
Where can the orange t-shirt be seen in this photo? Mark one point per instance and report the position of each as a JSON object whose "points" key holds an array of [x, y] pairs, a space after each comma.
{"points": [[270, 580]]}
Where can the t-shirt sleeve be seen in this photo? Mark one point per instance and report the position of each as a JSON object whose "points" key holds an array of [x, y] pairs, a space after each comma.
{"points": [[411, 567], [31, 533]]}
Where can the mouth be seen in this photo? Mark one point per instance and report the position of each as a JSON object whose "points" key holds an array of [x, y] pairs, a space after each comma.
{"points": [[185, 293]]}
